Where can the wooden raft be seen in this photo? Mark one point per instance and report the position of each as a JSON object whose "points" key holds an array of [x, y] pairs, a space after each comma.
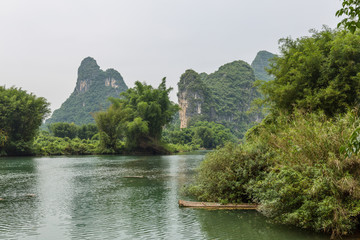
{"points": [[213, 205]]}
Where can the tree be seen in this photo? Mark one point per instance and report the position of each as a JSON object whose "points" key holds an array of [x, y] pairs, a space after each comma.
{"points": [[205, 134], [111, 125], [3, 138], [87, 131], [139, 115], [320, 72], [70, 130], [21, 114], [62, 129], [351, 9]]}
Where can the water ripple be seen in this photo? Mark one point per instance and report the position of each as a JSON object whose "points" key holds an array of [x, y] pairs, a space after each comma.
{"points": [[90, 198]]}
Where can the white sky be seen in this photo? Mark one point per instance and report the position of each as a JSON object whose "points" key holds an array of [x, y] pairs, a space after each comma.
{"points": [[42, 42]]}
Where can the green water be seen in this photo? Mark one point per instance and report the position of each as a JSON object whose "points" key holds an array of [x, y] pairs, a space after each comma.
{"points": [[91, 198]]}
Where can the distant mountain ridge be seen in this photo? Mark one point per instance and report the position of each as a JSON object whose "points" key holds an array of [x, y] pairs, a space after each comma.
{"points": [[93, 88], [224, 96], [261, 63]]}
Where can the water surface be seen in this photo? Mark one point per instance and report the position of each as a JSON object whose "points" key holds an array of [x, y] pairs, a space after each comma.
{"points": [[92, 197]]}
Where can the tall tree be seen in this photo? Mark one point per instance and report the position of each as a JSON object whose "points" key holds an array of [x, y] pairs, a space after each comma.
{"points": [[63, 129], [111, 125], [21, 114], [139, 115], [350, 9], [321, 72]]}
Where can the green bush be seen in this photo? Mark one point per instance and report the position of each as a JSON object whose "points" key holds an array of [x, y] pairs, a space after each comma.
{"points": [[225, 173], [70, 130], [21, 114], [294, 169], [306, 172], [311, 184], [45, 144], [205, 134]]}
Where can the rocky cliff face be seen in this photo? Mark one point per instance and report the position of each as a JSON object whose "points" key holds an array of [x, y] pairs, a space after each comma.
{"points": [[90, 75], [93, 87], [193, 97]]}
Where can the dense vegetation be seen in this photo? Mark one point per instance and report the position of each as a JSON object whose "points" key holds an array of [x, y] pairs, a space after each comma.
{"points": [[223, 96], [70, 130], [71, 139], [351, 10], [133, 123], [137, 118], [21, 114], [202, 134], [299, 163], [93, 88], [321, 72], [47, 144], [232, 88]]}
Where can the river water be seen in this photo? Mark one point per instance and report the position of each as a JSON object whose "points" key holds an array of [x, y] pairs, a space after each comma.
{"points": [[91, 197]]}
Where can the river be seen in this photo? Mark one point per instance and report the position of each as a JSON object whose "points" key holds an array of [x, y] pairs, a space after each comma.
{"points": [[92, 197]]}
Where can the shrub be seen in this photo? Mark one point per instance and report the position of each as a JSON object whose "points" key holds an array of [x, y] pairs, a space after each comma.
{"points": [[312, 185], [225, 173]]}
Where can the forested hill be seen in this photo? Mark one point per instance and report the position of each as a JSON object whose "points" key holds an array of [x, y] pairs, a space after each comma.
{"points": [[93, 88], [259, 64], [223, 97]]}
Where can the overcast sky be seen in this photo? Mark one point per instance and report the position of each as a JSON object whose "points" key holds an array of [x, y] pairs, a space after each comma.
{"points": [[42, 42]]}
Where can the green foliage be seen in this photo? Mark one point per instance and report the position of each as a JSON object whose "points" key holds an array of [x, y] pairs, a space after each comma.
{"points": [[203, 134], [320, 72], [70, 130], [225, 174], [293, 168], [192, 80], [45, 144], [179, 136], [137, 131], [3, 138], [350, 9], [306, 169], [93, 88], [353, 145], [139, 115], [87, 131], [311, 184], [111, 125], [21, 114], [63, 130]]}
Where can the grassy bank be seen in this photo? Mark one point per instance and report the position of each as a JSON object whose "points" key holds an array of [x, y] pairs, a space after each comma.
{"points": [[294, 169]]}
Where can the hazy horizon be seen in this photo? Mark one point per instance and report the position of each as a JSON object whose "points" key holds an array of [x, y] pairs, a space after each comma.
{"points": [[43, 42]]}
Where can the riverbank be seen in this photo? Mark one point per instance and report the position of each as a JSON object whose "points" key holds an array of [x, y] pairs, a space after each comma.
{"points": [[299, 169], [47, 145]]}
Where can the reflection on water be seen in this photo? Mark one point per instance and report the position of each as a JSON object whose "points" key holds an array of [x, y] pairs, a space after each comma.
{"points": [[90, 198]]}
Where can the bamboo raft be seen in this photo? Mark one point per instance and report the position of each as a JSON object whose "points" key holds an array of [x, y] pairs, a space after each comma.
{"points": [[214, 205]]}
